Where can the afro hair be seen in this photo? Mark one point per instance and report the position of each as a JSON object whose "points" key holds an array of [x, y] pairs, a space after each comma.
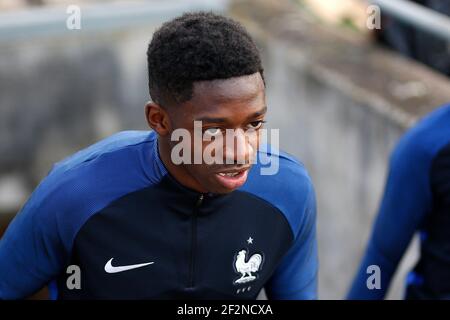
{"points": [[194, 47]]}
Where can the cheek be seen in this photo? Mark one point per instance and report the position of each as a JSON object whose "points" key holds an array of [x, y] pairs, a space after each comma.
{"points": [[200, 172], [181, 120], [253, 141]]}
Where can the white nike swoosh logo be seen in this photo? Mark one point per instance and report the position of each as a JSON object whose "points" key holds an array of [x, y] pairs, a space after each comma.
{"points": [[109, 268]]}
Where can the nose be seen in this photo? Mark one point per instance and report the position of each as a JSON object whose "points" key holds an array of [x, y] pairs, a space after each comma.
{"points": [[238, 147]]}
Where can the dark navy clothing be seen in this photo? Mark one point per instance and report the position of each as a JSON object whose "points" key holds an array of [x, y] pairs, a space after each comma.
{"points": [[113, 205], [416, 199]]}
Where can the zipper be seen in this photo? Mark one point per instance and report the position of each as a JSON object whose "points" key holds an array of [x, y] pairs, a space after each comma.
{"points": [[194, 240]]}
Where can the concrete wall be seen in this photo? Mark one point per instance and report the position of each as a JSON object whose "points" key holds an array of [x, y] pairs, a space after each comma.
{"points": [[59, 95], [344, 145]]}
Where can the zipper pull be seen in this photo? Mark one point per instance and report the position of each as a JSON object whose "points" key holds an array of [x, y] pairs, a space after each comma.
{"points": [[200, 200]]}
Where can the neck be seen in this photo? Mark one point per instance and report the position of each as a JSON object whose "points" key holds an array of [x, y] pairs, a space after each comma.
{"points": [[178, 172]]}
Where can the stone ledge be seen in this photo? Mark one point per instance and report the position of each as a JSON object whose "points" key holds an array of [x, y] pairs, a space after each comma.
{"points": [[399, 88]]}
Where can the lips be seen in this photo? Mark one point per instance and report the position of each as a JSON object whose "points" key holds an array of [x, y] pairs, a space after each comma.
{"points": [[232, 179], [230, 174]]}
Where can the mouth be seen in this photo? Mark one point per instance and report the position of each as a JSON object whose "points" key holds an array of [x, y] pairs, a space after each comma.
{"points": [[232, 179]]}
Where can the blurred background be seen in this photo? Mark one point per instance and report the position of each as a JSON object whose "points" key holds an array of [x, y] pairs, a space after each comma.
{"points": [[343, 84]]}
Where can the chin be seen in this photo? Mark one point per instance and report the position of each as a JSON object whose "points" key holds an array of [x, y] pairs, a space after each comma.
{"points": [[225, 191], [218, 189]]}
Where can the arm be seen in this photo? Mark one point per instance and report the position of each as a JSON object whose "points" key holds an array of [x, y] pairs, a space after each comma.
{"points": [[296, 277], [406, 201], [31, 251]]}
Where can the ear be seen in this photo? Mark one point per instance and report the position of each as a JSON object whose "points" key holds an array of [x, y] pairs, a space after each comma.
{"points": [[157, 118]]}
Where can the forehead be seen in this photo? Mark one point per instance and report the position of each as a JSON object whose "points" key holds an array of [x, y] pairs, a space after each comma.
{"points": [[228, 97]]}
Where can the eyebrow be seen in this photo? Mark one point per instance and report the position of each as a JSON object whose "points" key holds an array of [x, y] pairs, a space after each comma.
{"points": [[224, 120]]}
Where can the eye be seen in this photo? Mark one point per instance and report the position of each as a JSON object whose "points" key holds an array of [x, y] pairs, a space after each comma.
{"points": [[255, 125], [212, 132]]}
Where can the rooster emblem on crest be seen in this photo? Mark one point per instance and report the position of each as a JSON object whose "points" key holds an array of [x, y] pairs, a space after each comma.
{"points": [[246, 268]]}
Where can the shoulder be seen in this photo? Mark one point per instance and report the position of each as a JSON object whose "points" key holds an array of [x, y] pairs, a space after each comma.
{"points": [[111, 163], [425, 139], [89, 180], [286, 185], [115, 144], [411, 162]]}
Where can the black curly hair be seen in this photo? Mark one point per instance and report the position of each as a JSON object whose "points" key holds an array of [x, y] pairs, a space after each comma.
{"points": [[194, 47]]}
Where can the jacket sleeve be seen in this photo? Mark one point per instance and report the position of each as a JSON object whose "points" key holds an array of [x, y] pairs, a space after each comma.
{"points": [[31, 250], [296, 277]]}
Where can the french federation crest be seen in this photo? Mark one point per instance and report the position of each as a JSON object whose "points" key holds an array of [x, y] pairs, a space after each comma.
{"points": [[247, 268]]}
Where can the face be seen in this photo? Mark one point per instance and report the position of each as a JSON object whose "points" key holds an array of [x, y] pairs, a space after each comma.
{"points": [[237, 104]]}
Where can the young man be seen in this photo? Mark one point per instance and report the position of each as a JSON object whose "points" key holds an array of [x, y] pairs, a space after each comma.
{"points": [[416, 198], [134, 222]]}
